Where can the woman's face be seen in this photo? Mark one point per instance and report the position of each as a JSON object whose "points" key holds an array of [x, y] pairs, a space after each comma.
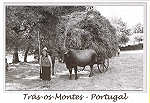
{"points": [[44, 52]]}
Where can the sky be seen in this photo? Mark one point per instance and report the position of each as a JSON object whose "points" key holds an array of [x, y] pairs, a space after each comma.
{"points": [[129, 14]]}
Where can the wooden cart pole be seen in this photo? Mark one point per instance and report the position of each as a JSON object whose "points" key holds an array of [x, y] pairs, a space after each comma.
{"points": [[39, 45]]}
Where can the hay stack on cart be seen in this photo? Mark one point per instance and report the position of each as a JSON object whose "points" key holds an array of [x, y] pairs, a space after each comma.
{"points": [[89, 29]]}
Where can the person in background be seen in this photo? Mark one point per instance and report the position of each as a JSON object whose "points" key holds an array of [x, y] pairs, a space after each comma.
{"points": [[45, 65], [118, 52]]}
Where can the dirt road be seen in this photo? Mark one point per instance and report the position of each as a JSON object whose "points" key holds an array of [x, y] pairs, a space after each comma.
{"points": [[125, 73]]}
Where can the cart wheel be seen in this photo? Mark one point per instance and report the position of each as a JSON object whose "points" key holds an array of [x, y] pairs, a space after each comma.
{"points": [[98, 66], [82, 69], [106, 64]]}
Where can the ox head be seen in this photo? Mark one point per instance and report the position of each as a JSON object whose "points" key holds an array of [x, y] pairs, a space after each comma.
{"points": [[67, 55]]}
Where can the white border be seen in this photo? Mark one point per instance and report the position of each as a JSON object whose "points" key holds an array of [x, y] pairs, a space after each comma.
{"points": [[94, 4]]}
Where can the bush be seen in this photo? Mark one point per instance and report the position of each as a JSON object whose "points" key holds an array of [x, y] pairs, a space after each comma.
{"points": [[132, 47]]}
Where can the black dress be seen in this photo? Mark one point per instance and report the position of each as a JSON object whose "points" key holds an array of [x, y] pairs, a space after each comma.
{"points": [[46, 73], [46, 68]]}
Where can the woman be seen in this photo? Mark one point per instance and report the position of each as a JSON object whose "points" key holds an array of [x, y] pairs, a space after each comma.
{"points": [[45, 65]]}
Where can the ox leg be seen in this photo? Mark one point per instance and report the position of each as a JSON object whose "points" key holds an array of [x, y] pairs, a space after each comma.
{"points": [[53, 63], [91, 73], [75, 70], [70, 71], [53, 69], [103, 67]]}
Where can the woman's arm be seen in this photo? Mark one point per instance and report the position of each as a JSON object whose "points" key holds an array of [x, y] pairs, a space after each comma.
{"points": [[50, 60]]}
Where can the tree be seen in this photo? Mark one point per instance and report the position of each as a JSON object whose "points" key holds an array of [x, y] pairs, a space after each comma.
{"points": [[23, 22], [20, 21], [13, 32], [138, 28], [122, 30]]}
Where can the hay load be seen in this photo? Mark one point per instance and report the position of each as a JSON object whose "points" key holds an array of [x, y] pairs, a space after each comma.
{"points": [[83, 30]]}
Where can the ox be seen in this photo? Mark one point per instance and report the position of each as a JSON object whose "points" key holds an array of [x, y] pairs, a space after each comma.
{"points": [[82, 58], [103, 62]]}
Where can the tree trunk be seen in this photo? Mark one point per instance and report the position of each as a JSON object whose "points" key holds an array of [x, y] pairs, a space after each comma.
{"points": [[65, 34], [26, 54], [15, 56]]}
